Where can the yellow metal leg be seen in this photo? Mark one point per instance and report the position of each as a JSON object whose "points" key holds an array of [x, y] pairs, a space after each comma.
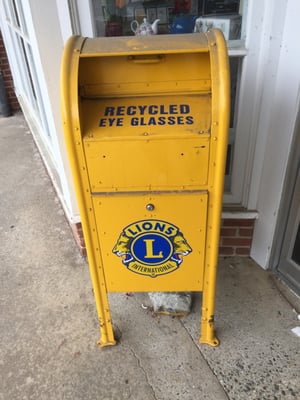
{"points": [[208, 300], [106, 338], [208, 330], [99, 287], [106, 330]]}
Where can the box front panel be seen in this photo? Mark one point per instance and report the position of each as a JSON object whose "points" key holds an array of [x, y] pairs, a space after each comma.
{"points": [[148, 165], [147, 143], [152, 242]]}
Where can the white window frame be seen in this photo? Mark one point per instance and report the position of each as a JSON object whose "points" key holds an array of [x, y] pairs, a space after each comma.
{"points": [[251, 49]]}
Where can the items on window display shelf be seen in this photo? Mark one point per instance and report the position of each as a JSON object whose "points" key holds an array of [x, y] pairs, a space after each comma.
{"points": [[183, 24], [183, 21], [230, 25], [145, 28], [114, 17], [113, 28], [182, 6], [175, 16]]}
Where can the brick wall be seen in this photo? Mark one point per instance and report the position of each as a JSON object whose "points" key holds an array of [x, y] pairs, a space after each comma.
{"points": [[78, 236], [8, 81], [236, 237]]}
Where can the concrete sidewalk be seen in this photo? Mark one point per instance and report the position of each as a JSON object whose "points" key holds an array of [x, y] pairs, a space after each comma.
{"points": [[49, 325]]}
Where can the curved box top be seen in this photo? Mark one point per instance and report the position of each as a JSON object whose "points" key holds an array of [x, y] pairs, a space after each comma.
{"points": [[164, 44]]}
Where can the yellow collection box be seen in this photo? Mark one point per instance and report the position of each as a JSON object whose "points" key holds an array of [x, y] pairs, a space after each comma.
{"points": [[146, 122]]}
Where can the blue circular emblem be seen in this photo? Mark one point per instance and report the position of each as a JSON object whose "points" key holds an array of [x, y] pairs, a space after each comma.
{"points": [[152, 248]]}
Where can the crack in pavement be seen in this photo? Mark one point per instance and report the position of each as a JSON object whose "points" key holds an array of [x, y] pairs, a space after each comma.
{"points": [[138, 360], [203, 356]]}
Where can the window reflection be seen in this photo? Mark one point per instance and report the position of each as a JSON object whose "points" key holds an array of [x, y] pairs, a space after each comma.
{"points": [[114, 17]]}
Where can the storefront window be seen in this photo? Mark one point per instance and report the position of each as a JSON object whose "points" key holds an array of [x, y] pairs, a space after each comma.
{"points": [[123, 17], [114, 17]]}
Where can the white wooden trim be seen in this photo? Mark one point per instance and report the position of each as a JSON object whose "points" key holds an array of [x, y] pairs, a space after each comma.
{"points": [[279, 107], [86, 18], [65, 18], [239, 214], [248, 101]]}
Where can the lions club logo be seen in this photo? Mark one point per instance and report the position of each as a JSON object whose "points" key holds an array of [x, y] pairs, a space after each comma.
{"points": [[151, 247]]}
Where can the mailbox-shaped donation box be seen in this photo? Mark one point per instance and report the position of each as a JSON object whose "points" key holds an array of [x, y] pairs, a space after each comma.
{"points": [[146, 121]]}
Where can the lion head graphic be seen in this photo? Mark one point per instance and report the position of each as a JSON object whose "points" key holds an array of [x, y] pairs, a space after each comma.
{"points": [[122, 248], [181, 248]]}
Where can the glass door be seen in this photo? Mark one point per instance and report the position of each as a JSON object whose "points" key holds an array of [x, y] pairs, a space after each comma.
{"points": [[289, 261]]}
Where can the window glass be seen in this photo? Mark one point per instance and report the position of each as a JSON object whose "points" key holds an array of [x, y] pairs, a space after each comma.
{"points": [[235, 64], [114, 17], [30, 87], [296, 250]]}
